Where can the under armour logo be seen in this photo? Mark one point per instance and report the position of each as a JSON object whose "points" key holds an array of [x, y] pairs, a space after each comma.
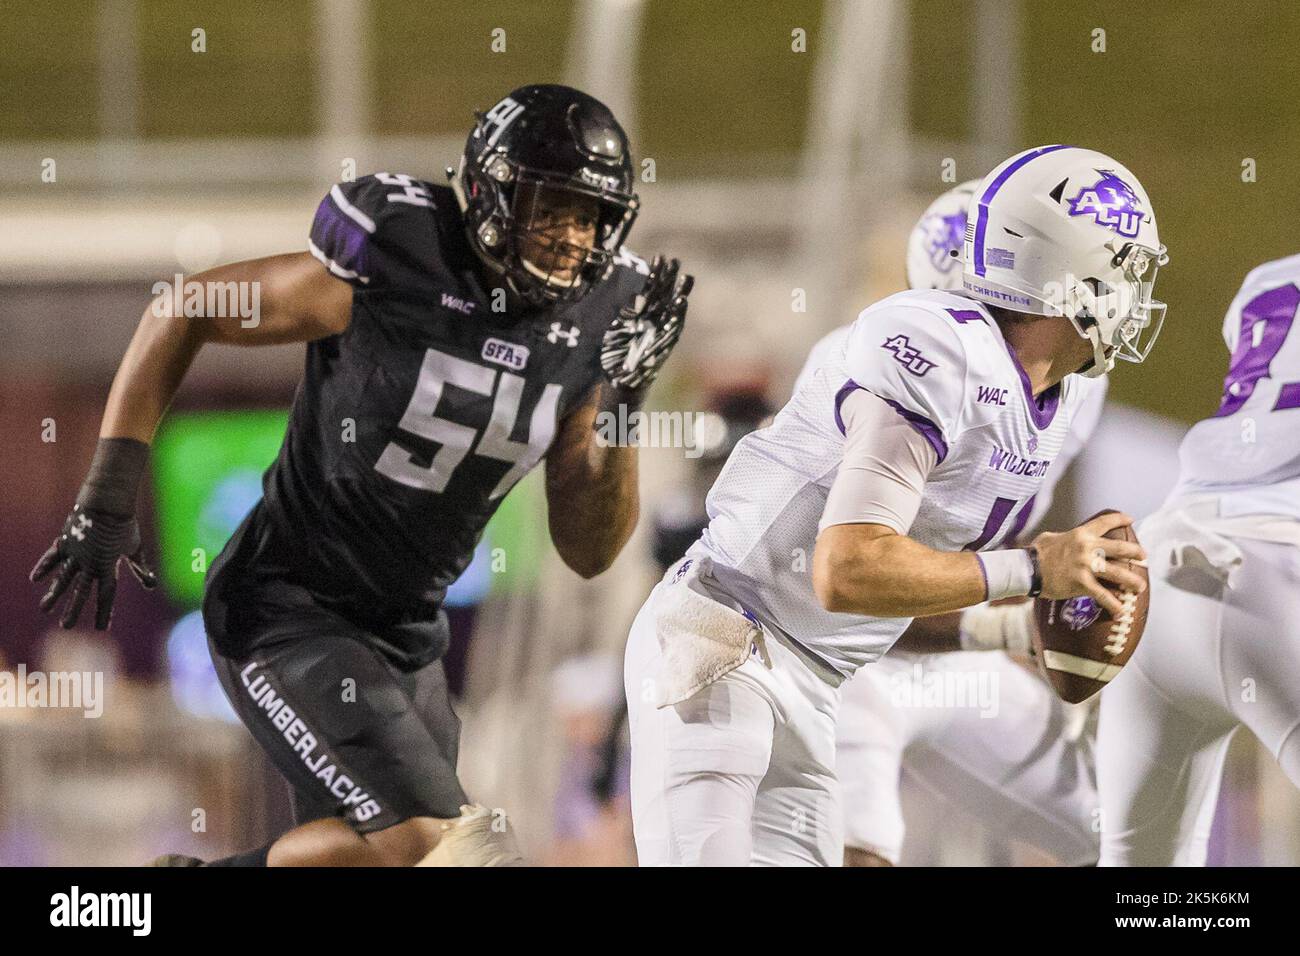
{"points": [[558, 332], [78, 530]]}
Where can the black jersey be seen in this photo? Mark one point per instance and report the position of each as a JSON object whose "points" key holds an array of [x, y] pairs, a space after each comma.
{"points": [[409, 428]]}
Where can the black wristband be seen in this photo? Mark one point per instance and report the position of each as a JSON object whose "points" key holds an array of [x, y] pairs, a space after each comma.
{"points": [[1035, 575], [114, 477]]}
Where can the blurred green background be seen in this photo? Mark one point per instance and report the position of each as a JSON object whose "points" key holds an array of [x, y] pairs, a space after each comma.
{"points": [[1185, 91]]}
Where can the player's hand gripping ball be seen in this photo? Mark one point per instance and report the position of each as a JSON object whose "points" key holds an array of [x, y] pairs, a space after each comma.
{"points": [[1081, 645]]}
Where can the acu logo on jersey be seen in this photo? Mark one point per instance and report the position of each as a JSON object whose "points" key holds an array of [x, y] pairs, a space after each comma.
{"points": [[907, 356], [1111, 202]]}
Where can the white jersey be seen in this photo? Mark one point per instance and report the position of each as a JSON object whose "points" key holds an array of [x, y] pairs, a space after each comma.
{"points": [[1082, 427], [1248, 453], [940, 360]]}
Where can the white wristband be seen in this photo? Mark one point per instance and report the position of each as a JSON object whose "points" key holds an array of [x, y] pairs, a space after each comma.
{"points": [[1008, 573], [1002, 627]]}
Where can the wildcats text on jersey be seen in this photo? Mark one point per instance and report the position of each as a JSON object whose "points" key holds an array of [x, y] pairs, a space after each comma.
{"points": [[1013, 464]]}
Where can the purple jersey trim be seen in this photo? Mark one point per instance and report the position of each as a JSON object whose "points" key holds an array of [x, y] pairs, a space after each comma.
{"points": [[984, 573], [1042, 409], [339, 237], [982, 213], [928, 429], [845, 390]]}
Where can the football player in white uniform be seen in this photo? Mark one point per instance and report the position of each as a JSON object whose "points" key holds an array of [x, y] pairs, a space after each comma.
{"points": [[1222, 644], [1013, 756], [865, 503]]}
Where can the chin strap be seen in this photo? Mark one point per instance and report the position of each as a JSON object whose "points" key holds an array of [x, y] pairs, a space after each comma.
{"points": [[550, 278]]}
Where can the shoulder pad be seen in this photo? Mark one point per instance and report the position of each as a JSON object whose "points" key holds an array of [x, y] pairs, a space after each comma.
{"points": [[377, 231], [911, 352]]}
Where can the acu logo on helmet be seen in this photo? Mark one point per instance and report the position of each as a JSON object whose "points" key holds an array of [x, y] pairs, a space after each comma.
{"points": [[943, 235], [1111, 202]]}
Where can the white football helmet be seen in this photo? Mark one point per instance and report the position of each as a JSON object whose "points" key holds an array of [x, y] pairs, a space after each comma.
{"points": [[1060, 230], [935, 245]]}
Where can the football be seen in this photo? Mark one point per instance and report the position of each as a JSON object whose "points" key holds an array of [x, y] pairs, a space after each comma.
{"points": [[1080, 646]]}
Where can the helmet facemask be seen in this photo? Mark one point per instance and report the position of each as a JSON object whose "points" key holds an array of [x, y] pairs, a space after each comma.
{"points": [[547, 212], [1120, 318]]}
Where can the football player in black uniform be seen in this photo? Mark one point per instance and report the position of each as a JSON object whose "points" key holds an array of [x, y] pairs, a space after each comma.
{"points": [[457, 336]]}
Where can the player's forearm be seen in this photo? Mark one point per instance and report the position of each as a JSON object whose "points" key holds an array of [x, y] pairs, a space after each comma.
{"points": [[269, 301], [870, 570], [156, 361], [933, 634], [592, 493]]}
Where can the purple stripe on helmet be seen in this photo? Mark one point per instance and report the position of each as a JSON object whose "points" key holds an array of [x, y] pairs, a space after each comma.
{"points": [[928, 429], [982, 213], [1043, 408]]}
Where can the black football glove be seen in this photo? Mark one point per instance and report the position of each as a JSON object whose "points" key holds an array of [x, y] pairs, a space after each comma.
{"points": [[100, 530], [638, 342]]}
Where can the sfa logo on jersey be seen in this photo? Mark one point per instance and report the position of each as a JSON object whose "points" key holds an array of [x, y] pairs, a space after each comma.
{"points": [[1111, 202], [944, 235]]}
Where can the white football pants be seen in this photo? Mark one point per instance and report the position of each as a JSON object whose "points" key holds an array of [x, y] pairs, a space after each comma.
{"points": [[740, 773], [980, 731], [1212, 658]]}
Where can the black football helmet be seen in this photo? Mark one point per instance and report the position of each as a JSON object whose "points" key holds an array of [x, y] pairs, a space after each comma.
{"points": [[553, 139]]}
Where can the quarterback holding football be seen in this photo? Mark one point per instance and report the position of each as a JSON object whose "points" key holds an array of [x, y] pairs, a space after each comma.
{"points": [[880, 493]]}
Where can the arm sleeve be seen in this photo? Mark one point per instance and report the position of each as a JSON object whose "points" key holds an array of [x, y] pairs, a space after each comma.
{"points": [[912, 359], [884, 469]]}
